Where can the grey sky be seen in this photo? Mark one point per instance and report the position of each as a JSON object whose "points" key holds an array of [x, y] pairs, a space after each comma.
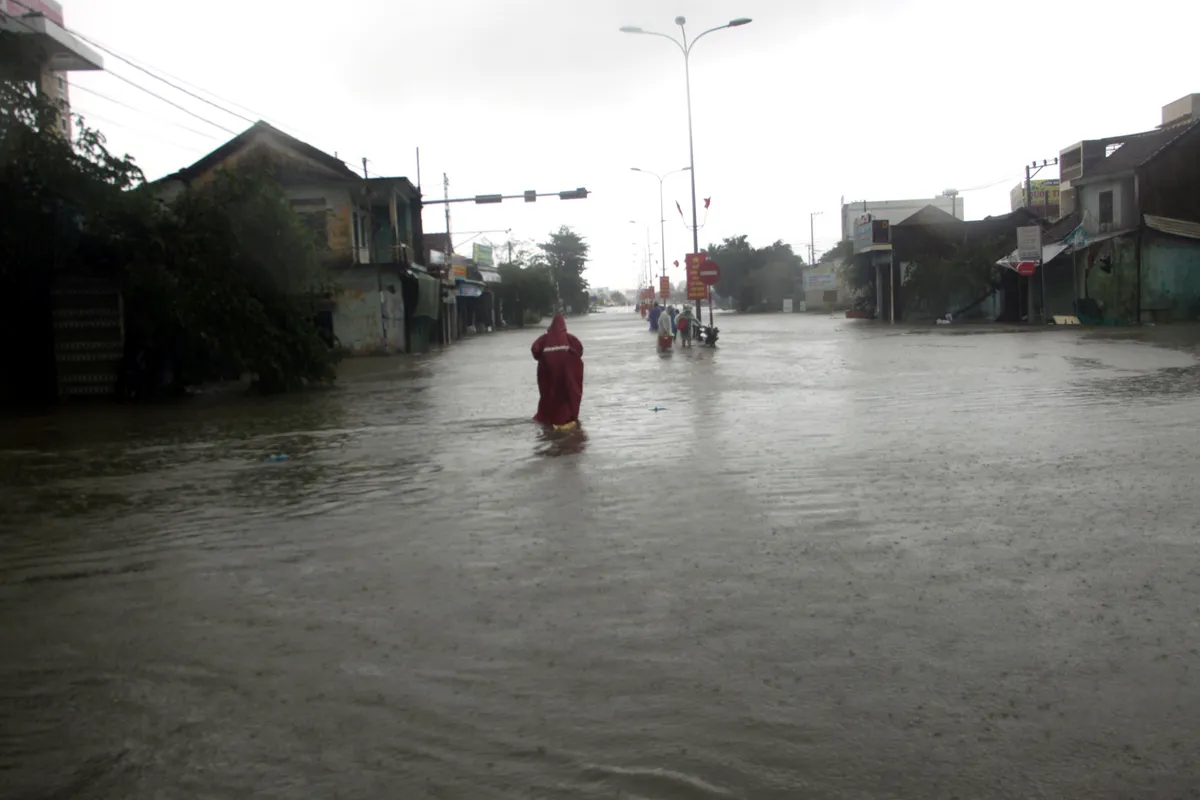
{"points": [[813, 101]]}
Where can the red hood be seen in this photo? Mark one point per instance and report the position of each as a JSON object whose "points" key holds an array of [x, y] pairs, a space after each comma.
{"points": [[558, 325]]}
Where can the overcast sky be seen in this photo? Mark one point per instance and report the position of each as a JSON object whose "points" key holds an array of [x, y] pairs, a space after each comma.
{"points": [[813, 101]]}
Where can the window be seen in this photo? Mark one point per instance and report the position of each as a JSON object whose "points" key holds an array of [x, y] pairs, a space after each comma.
{"points": [[1106, 208], [354, 224], [62, 84]]}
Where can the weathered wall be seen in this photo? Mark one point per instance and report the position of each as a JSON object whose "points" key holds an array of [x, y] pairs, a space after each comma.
{"points": [[1116, 289], [360, 319], [340, 207], [1170, 277], [1061, 287]]}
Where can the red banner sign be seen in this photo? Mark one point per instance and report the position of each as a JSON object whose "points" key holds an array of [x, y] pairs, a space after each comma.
{"points": [[696, 288], [664, 287]]}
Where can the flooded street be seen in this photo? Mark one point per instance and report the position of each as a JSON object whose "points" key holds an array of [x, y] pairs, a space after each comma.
{"points": [[843, 561]]}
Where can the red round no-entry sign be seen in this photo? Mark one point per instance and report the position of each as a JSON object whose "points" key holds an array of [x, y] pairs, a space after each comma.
{"points": [[710, 273]]}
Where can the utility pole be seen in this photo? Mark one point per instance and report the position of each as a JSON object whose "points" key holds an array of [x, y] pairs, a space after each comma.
{"points": [[1030, 171], [449, 254], [812, 239], [1036, 168]]}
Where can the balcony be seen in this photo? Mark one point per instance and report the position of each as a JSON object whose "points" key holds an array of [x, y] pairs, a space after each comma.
{"points": [[40, 43]]}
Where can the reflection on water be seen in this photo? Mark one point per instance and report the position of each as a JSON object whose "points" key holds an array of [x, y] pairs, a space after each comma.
{"points": [[843, 560], [554, 443]]}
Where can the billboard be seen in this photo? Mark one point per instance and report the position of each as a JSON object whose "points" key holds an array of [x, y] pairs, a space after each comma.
{"points": [[1043, 194], [820, 282], [482, 254]]}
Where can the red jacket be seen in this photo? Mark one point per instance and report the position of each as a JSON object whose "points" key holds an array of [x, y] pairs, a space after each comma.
{"points": [[560, 374]]}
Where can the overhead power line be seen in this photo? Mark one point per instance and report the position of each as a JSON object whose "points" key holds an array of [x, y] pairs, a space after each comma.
{"points": [[174, 84], [86, 115], [172, 103], [144, 66], [158, 77], [102, 96]]}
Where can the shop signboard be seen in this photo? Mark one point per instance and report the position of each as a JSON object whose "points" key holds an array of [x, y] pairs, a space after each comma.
{"points": [[1029, 243], [820, 282], [871, 234], [482, 254]]}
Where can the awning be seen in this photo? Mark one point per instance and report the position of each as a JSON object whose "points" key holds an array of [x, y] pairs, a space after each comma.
{"points": [[1049, 253], [470, 288], [1175, 227], [1078, 239], [490, 275]]}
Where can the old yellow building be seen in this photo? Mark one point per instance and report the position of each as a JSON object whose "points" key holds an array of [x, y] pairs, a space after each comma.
{"points": [[369, 231]]}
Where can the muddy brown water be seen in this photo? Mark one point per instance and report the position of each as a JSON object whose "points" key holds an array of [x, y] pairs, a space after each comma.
{"points": [[845, 561]]}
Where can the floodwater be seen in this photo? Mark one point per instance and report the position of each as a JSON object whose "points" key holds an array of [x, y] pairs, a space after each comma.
{"points": [[843, 561]]}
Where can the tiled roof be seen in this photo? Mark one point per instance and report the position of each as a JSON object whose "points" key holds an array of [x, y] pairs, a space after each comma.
{"points": [[930, 215], [216, 157], [1134, 150], [1062, 227]]}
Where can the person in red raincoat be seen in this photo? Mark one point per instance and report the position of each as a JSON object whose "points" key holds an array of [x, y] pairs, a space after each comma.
{"points": [[559, 375]]}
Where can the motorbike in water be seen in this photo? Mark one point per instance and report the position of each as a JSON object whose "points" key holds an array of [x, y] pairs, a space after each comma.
{"points": [[706, 335]]}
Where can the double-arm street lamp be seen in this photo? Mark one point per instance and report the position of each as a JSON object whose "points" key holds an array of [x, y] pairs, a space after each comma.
{"points": [[685, 47], [662, 218]]}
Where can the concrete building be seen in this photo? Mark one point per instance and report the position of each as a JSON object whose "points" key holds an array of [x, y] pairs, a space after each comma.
{"points": [[896, 211], [1133, 208], [43, 51]]}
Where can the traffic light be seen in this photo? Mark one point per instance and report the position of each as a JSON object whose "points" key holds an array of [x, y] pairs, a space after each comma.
{"points": [[531, 196], [575, 194]]}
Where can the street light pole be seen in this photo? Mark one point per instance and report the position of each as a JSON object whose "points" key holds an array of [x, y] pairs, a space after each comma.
{"points": [[685, 47], [662, 216]]}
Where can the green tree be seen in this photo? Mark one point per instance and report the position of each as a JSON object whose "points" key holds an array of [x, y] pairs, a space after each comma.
{"points": [[224, 279], [230, 283], [565, 255], [839, 253], [952, 279], [527, 292], [68, 209], [752, 276]]}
